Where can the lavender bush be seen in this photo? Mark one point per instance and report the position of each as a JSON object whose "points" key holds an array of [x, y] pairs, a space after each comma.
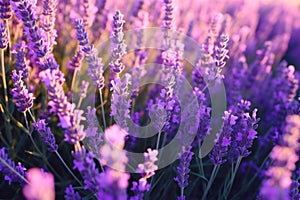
{"points": [[115, 100]]}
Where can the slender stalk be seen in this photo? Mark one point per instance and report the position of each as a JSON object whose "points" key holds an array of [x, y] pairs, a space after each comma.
{"points": [[37, 148], [211, 180], [158, 139], [102, 108], [14, 171], [74, 77], [182, 192], [4, 78], [228, 187], [66, 166]]}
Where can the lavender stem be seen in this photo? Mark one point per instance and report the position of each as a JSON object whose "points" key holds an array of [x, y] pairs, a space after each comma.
{"points": [[211, 180], [13, 170], [66, 166], [102, 108], [4, 78]]}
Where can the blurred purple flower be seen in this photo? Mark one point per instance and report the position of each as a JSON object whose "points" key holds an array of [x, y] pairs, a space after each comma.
{"points": [[41, 185], [70, 194]]}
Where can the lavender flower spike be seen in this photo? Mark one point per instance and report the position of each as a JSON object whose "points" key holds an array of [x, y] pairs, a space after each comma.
{"points": [[120, 102], [22, 98], [81, 35], [3, 36], [284, 156], [5, 9], [183, 169], [70, 194], [46, 135], [119, 48], [20, 56], [25, 10], [18, 173], [220, 150], [83, 161]]}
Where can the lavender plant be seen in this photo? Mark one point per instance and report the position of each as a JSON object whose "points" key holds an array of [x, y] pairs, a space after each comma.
{"points": [[51, 50]]}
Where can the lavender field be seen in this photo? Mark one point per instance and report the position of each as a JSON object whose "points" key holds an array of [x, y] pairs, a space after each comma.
{"points": [[154, 100]]}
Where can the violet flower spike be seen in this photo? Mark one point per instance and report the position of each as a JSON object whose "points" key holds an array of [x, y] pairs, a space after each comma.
{"points": [[3, 35], [119, 47], [278, 183], [46, 135], [120, 107], [223, 140], [69, 117], [70, 194], [21, 97], [12, 173], [22, 64], [183, 169], [83, 161], [26, 12], [5, 9]]}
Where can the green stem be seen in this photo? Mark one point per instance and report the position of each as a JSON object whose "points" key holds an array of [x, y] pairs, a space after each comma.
{"points": [[158, 140], [14, 171], [37, 148], [102, 108], [74, 78], [4, 78], [228, 187], [66, 166], [211, 180]]}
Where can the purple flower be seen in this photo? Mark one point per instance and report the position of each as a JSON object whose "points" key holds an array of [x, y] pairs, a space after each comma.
{"points": [[48, 21], [90, 11], [21, 61], [221, 53], [70, 194], [81, 34], [40, 186], [5, 9], [11, 176], [26, 11], [84, 88], [183, 169], [46, 135], [22, 98], [139, 189], [223, 140], [120, 100], [69, 117], [3, 35], [83, 161], [284, 156], [95, 68], [75, 62], [168, 20], [119, 47], [294, 191]]}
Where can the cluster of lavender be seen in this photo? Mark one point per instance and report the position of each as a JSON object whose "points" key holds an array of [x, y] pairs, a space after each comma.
{"points": [[55, 43]]}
